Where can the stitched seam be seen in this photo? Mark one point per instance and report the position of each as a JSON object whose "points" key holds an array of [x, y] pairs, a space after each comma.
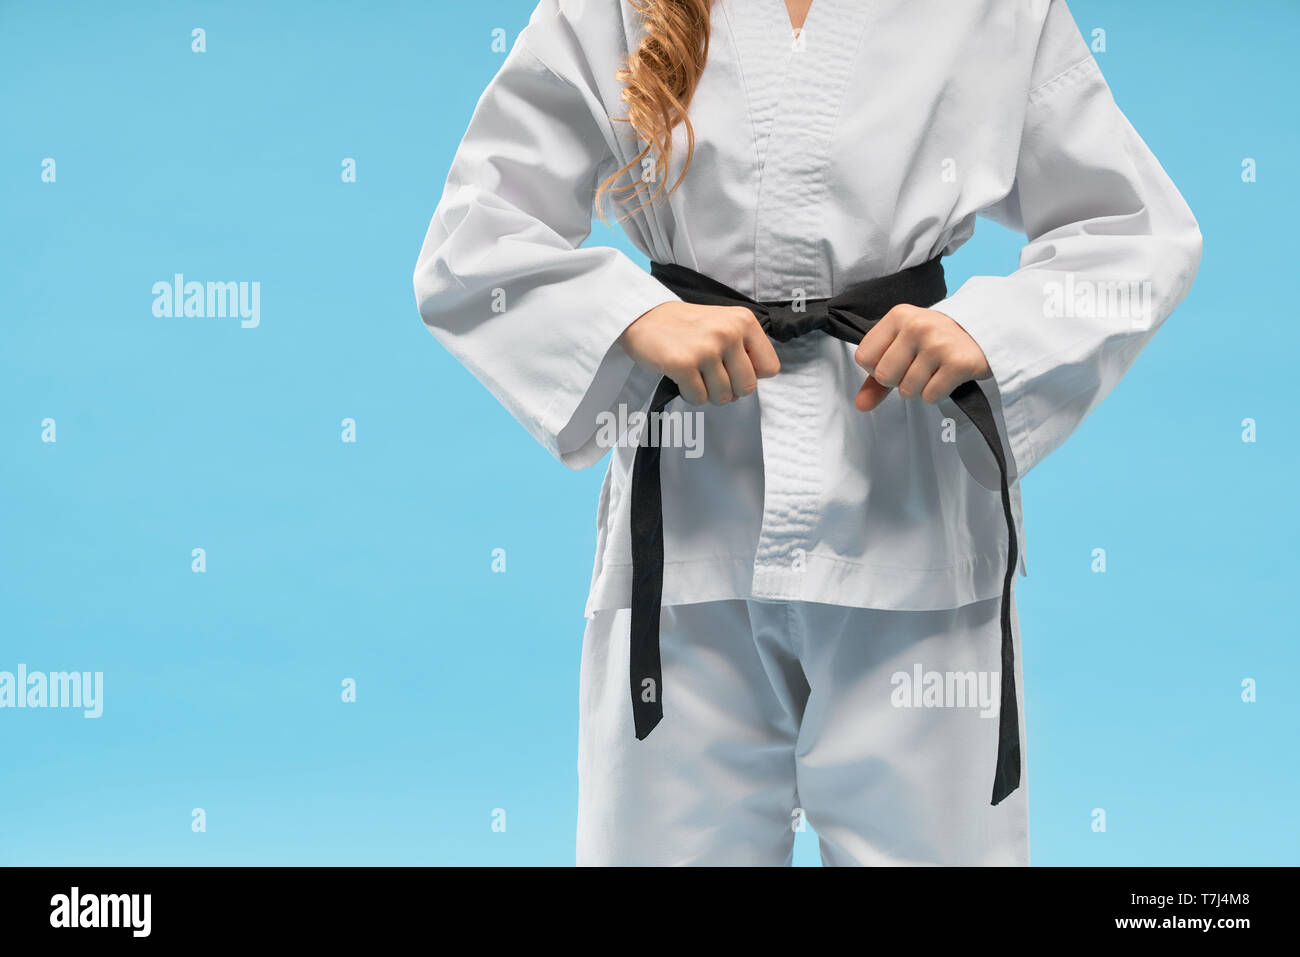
{"points": [[793, 629], [522, 40], [886, 569], [833, 127], [1065, 78], [725, 7]]}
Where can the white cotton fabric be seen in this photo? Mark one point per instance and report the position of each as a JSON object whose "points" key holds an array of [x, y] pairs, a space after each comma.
{"points": [[781, 715], [868, 146]]}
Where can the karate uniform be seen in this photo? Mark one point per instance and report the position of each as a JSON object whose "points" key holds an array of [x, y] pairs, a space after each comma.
{"points": [[866, 146]]}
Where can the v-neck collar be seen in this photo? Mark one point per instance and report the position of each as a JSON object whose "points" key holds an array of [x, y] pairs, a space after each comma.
{"points": [[785, 18], [763, 51], [767, 47], [794, 89]]}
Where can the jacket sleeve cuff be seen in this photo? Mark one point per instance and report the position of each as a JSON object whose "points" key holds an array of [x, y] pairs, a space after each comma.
{"points": [[604, 376], [1003, 391]]}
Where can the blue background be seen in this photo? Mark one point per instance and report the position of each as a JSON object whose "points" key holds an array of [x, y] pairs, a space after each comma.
{"points": [[372, 560]]}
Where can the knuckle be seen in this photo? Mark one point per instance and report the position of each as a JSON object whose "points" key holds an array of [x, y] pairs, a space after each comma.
{"points": [[676, 363], [933, 333], [687, 361]]}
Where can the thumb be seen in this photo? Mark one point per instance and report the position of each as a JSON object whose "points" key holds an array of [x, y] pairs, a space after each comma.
{"points": [[870, 395]]}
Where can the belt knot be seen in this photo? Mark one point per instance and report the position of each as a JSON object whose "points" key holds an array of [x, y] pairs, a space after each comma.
{"points": [[790, 320]]}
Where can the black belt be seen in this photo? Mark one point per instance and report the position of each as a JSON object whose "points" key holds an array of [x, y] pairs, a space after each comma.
{"points": [[848, 316]]}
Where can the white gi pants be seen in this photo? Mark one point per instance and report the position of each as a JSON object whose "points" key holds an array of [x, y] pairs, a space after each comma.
{"points": [[773, 710]]}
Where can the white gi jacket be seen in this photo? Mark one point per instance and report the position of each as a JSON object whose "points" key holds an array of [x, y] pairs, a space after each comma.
{"points": [[867, 146]]}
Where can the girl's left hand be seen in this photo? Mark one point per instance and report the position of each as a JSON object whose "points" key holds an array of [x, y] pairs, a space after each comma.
{"points": [[920, 352]]}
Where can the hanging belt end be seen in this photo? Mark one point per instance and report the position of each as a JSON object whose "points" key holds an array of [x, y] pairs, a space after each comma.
{"points": [[647, 721], [1005, 782]]}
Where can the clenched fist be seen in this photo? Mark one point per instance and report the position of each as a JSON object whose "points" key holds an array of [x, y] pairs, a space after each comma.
{"points": [[714, 353], [920, 352]]}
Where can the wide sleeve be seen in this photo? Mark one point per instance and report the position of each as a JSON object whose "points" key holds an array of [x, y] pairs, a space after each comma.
{"points": [[501, 281], [1112, 249]]}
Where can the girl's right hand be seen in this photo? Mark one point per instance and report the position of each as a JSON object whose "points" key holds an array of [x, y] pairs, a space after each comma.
{"points": [[714, 353]]}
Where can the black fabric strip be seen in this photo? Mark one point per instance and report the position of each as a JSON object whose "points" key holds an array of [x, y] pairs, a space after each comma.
{"points": [[848, 316], [644, 671], [970, 398]]}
